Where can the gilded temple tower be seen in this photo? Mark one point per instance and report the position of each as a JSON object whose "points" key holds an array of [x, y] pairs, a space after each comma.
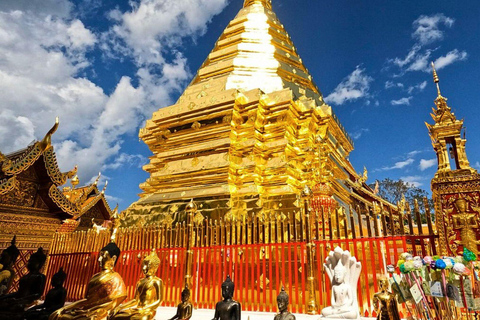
{"points": [[248, 133], [456, 185]]}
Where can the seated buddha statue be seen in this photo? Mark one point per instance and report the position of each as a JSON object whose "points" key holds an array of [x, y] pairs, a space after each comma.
{"points": [[184, 308], [54, 300], [148, 294], [343, 271], [385, 302], [228, 309], [105, 291], [30, 288], [282, 302], [7, 260]]}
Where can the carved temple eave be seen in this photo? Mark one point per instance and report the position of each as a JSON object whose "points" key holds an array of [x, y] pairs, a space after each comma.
{"points": [[8, 184], [57, 177]]}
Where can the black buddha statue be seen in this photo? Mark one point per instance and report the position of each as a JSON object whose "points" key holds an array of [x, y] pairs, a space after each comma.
{"points": [[184, 308], [7, 261], [228, 309], [54, 300], [282, 302], [30, 288]]}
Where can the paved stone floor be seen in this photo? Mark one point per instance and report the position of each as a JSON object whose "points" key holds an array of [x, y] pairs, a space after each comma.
{"points": [[165, 313]]}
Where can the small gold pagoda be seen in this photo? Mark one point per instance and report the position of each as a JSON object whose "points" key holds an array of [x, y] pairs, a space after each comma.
{"points": [[248, 133], [456, 185]]}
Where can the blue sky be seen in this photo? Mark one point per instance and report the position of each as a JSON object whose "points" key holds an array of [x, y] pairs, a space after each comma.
{"points": [[105, 66]]}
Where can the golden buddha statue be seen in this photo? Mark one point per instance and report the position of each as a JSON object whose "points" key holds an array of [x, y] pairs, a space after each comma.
{"points": [[385, 302], [148, 294], [184, 308], [105, 291]]}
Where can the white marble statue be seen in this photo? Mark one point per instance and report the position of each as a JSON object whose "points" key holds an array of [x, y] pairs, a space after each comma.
{"points": [[343, 271]]}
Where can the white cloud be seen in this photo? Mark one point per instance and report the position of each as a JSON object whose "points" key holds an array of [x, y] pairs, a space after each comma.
{"points": [[416, 181], [402, 101], [358, 133], [43, 59], [419, 87], [398, 165], [124, 159], [353, 87], [15, 130], [421, 62], [425, 164], [477, 165], [450, 58], [413, 153], [59, 8], [427, 28], [153, 26], [408, 59], [391, 84]]}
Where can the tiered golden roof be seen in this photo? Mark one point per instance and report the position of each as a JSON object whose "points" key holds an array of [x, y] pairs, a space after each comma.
{"points": [[245, 136]]}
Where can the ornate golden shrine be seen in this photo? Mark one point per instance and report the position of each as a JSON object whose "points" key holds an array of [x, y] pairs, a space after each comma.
{"points": [[456, 185], [32, 204], [249, 132]]}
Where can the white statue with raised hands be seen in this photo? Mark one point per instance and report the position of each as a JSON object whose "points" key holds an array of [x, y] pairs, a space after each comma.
{"points": [[343, 271]]}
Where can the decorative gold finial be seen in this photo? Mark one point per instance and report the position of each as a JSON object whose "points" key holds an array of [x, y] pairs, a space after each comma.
{"points": [[436, 79], [47, 140], [105, 187], [97, 179], [266, 3], [191, 206], [74, 181]]}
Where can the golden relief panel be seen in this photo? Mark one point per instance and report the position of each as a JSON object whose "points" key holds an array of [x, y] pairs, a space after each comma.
{"points": [[24, 195], [461, 221]]}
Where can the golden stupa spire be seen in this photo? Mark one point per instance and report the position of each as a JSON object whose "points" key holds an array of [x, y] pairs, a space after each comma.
{"points": [[265, 3], [436, 79]]}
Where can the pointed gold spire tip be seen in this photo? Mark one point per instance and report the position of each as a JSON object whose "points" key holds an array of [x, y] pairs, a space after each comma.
{"points": [[436, 79]]}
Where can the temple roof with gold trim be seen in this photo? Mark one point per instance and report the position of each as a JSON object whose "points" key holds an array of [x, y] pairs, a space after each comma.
{"points": [[30, 180]]}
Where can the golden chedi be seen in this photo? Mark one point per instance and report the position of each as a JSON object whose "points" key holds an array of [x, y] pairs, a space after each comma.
{"points": [[148, 294], [244, 137], [385, 302], [184, 308], [105, 291]]}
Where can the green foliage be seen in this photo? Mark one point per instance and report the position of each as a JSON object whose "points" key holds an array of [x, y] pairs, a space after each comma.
{"points": [[392, 190]]}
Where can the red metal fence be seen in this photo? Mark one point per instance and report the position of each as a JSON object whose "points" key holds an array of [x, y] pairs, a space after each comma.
{"points": [[258, 270], [260, 256]]}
